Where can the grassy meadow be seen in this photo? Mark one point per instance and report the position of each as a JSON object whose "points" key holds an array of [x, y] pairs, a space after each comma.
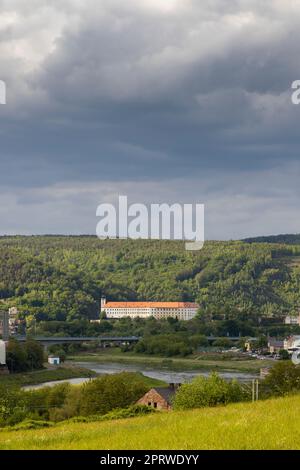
{"points": [[270, 424]]}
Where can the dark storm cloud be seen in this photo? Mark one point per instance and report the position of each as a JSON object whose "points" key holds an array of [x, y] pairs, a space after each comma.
{"points": [[147, 91]]}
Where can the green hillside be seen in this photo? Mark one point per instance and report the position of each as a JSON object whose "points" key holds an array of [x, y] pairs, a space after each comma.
{"points": [[271, 424], [62, 278], [284, 238]]}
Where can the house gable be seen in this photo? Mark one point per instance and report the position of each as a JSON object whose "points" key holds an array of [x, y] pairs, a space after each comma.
{"points": [[157, 398]]}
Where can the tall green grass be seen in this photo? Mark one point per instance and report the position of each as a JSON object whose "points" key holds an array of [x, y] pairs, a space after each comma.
{"points": [[270, 424]]}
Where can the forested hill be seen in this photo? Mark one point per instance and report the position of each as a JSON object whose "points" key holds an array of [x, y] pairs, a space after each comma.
{"points": [[282, 239], [62, 278]]}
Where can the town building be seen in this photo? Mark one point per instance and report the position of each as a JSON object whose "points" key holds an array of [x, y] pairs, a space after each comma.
{"points": [[291, 343], [3, 366], [158, 310], [2, 353], [290, 320], [275, 345], [159, 398], [13, 321]]}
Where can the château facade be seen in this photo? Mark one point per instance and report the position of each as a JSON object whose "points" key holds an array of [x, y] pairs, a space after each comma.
{"points": [[158, 310]]}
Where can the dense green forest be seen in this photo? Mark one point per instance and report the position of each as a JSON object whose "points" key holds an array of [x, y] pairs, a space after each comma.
{"points": [[56, 278], [284, 238]]}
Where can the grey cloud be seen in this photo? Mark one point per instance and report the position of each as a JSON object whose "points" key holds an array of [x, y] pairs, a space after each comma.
{"points": [[148, 91]]}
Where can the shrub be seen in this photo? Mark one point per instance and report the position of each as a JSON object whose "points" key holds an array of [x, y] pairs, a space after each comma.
{"points": [[223, 343], [208, 391], [23, 357], [130, 412], [57, 395], [166, 345], [198, 341], [283, 379], [284, 355], [16, 357], [12, 406], [110, 392], [34, 354], [166, 363], [31, 424]]}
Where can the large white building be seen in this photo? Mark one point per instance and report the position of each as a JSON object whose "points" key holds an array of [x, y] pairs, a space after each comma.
{"points": [[158, 310], [4, 325], [2, 353]]}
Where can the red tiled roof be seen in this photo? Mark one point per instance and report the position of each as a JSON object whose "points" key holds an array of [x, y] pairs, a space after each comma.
{"points": [[150, 305]]}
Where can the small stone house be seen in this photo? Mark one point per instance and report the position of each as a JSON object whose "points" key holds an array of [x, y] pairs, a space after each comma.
{"points": [[159, 398]]}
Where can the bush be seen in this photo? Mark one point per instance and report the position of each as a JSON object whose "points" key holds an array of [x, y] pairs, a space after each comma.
{"points": [[166, 345], [31, 424], [109, 392], [284, 355], [130, 412], [223, 343], [34, 354], [198, 341], [57, 395], [82, 419], [167, 363], [12, 406], [208, 391], [16, 357], [24, 357], [283, 379], [64, 401]]}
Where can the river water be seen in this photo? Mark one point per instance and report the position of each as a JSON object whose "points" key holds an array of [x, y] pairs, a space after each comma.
{"points": [[166, 375]]}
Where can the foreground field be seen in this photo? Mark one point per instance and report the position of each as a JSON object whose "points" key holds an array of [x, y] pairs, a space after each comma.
{"points": [[272, 424]]}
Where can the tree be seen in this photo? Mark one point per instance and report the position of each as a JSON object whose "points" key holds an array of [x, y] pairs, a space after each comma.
{"points": [[12, 406], [22, 357], [197, 341], [102, 315], [222, 343], [284, 355], [283, 378], [16, 357], [35, 354], [262, 342], [109, 392], [166, 345]]}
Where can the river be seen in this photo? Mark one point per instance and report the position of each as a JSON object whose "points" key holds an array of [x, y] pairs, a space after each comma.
{"points": [[165, 375]]}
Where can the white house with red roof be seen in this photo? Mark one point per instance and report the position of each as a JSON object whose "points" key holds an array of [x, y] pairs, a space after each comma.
{"points": [[158, 310]]}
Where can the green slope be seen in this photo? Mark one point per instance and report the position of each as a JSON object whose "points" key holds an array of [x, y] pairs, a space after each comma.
{"points": [[62, 278], [272, 424]]}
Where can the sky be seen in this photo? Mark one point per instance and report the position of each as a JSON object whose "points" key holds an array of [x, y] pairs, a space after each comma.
{"points": [[159, 100]]}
